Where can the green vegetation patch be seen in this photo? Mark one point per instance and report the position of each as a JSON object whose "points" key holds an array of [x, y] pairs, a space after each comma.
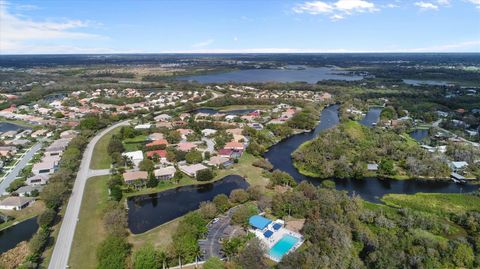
{"points": [[436, 203]]}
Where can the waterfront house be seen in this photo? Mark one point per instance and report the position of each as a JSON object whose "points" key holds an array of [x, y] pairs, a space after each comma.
{"points": [[234, 146], [165, 173], [192, 170], [135, 178], [458, 166], [218, 161], [372, 167], [28, 190], [16, 202]]}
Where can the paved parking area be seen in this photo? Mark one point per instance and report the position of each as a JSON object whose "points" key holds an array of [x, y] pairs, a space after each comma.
{"points": [[211, 245]]}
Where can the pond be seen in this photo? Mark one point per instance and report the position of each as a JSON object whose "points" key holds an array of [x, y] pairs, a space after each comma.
{"points": [[149, 211], [372, 117], [8, 126], [212, 111], [370, 189], [291, 74], [419, 134], [13, 235]]}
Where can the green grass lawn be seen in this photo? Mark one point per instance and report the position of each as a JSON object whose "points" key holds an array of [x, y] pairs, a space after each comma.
{"points": [[100, 158], [244, 168], [90, 231], [160, 237], [134, 143], [439, 204]]}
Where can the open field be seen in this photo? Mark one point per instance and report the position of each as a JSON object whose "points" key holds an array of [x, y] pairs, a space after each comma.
{"points": [[90, 230], [160, 237], [101, 159], [435, 203]]}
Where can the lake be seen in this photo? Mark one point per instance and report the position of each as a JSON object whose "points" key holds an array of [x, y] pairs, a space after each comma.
{"points": [[212, 111], [13, 235], [418, 82], [370, 189], [146, 212], [304, 74]]}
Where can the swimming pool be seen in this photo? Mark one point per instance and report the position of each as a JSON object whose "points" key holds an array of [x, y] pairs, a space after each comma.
{"points": [[283, 246]]}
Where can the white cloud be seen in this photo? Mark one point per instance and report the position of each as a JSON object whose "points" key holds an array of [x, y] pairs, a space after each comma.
{"points": [[391, 5], [475, 2], [203, 43], [426, 5], [18, 31], [314, 8], [337, 17], [355, 6], [340, 8]]}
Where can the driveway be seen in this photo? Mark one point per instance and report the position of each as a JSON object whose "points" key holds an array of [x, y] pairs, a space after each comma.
{"points": [[18, 167], [63, 244]]}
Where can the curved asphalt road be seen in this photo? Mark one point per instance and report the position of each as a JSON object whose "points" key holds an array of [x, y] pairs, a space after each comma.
{"points": [[63, 244]]}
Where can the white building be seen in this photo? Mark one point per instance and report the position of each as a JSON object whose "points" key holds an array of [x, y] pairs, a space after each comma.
{"points": [[135, 156]]}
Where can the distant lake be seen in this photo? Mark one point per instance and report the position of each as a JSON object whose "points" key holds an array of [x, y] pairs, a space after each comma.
{"points": [[418, 82], [212, 111], [291, 74]]}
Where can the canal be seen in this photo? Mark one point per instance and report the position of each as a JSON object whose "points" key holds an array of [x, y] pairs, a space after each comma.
{"points": [[370, 189]]}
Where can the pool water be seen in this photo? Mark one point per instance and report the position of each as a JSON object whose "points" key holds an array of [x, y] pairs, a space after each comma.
{"points": [[283, 246]]}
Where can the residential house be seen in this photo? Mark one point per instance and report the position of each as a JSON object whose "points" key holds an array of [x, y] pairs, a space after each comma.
{"points": [[68, 134], [155, 136], [142, 126], [7, 151], [134, 156], [156, 143], [185, 132], [218, 161], [165, 173], [234, 146], [136, 178], [228, 153], [16, 202], [208, 132], [37, 180], [48, 165], [192, 170], [163, 117], [186, 146], [162, 154], [28, 190], [458, 166]]}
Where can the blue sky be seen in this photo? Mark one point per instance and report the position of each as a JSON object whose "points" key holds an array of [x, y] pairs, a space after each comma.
{"points": [[103, 26]]}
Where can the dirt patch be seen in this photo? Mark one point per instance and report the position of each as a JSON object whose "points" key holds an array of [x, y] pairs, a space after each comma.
{"points": [[295, 224]]}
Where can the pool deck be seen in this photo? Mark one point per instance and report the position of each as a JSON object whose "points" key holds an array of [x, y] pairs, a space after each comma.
{"points": [[277, 236]]}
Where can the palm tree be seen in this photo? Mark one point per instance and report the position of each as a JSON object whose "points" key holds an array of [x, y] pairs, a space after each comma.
{"points": [[197, 253], [162, 256]]}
